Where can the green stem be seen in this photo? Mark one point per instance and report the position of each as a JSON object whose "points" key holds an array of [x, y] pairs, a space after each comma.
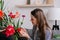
{"points": [[22, 22], [1, 4]]}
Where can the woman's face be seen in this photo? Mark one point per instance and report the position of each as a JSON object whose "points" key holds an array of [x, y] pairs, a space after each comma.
{"points": [[33, 20]]}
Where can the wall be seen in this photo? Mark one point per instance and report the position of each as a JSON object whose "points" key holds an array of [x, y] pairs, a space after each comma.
{"points": [[11, 5]]}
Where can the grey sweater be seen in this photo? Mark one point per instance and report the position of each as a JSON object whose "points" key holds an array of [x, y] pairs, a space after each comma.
{"points": [[35, 36]]}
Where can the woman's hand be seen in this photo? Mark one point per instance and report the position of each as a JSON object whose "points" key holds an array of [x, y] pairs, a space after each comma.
{"points": [[24, 33]]}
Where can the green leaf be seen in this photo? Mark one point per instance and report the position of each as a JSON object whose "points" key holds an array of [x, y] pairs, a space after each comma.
{"points": [[6, 17], [0, 22], [14, 25], [57, 36], [5, 20], [18, 23], [1, 5], [15, 37], [10, 20], [21, 23]]}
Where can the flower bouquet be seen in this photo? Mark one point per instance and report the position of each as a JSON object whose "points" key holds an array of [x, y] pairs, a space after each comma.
{"points": [[17, 27], [7, 21]]}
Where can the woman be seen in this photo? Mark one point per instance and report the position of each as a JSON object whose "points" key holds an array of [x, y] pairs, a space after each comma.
{"points": [[41, 29]]}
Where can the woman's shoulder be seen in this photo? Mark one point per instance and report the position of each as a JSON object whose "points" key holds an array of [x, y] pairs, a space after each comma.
{"points": [[48, 30]]}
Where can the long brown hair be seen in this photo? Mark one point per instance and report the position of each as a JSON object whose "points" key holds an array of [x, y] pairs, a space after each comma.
{"points": [[39, 15]]}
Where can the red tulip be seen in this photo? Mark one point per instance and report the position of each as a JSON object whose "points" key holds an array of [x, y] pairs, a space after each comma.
{"points": [[19, 29], [1, 13], [9, 30], [14, 15], [10, 14], [7, 33]]}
